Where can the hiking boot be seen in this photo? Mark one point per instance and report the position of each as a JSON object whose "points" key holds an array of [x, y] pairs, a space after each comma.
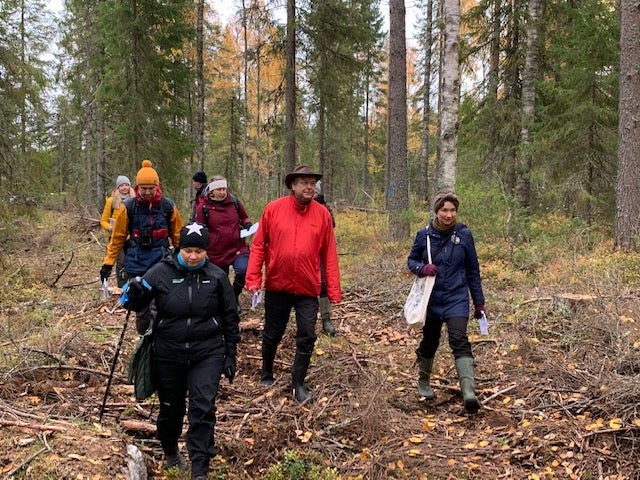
{"points": [[175, 460], [199, 476]]}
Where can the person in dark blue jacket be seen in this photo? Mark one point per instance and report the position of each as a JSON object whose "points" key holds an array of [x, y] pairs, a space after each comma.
{"points": [[195, 337], [455, 266]]}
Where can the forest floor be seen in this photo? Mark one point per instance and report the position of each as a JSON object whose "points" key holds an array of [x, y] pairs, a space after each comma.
{"points": [[557, 377]]}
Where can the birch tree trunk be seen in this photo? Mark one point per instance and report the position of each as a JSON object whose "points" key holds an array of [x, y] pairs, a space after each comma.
{"points": [[450, 96], [627, 226], [423, 182], [397, 188], [525, 159]]}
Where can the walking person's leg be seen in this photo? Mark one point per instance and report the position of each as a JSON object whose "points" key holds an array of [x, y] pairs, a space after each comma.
{"points": [[277, 307], [306, 315]]}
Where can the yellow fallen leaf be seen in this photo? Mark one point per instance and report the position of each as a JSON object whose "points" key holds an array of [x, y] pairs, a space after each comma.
{"points": [[636, 422], [304, 437], [413, 452], [533, 476], [249, 462], [470, 446], [615, 423], [483, 443], [75, 456], [506, 400], [319, 351], [415, 440]]}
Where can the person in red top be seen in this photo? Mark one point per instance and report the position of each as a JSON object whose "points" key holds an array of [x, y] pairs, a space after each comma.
{"points": [[224, 215], [294, 238]]}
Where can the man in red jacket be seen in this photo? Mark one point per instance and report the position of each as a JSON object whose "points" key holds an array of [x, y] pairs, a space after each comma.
{"points": [[294, 239]]}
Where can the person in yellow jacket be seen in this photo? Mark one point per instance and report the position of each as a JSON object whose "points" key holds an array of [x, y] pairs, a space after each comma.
{"points": [[144, 226], [122, 192]]}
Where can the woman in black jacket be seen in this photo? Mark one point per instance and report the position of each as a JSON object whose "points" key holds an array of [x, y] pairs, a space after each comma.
{"points": [[194, 343]]}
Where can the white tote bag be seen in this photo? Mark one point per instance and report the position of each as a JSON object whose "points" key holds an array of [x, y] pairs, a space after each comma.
{"points": [[415, 308]]}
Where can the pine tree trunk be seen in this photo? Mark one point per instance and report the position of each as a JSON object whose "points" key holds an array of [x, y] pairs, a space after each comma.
{"points": [[290, 88], [627, 227], [397, 188]]}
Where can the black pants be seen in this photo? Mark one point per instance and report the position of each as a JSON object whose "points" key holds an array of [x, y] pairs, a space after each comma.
{"points": [[458, 340], [201, 381], [277, 307]]}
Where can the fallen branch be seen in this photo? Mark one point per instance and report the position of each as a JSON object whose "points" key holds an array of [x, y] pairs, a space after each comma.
{"points": [[26, 462], [63, 270], [504, 390], [32, 426]]}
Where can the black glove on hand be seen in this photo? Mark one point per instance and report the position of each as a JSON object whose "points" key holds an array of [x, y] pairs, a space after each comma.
{"points": [[105, 271], [247, 225], [135, 290], [229, 368]]}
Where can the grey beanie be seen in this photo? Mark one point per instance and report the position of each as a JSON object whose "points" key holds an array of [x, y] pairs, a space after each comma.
{"points": [[122, 179], [444, 196]]}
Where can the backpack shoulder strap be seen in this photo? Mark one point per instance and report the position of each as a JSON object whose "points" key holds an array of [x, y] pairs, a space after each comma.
{"points": [[236, 204], [167, 207]]}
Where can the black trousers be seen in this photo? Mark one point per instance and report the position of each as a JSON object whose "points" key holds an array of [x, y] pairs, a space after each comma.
{"points": [[458, 339], [277, 308], [200, 380]]}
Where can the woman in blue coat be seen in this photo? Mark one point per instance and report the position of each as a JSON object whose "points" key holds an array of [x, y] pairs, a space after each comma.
{"points": [[455, 266], [195, 337]]}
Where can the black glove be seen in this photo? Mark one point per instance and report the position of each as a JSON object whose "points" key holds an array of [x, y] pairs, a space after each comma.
{"points": [[105, 271], [247, 225], [229, 368], [135, 290]]}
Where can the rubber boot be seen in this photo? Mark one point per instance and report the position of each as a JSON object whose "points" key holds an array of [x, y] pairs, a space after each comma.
{"points": [[298, 374], [268, 356], [425, 366], [325, 315], [238, 286], [464, 366], [175, 460]]}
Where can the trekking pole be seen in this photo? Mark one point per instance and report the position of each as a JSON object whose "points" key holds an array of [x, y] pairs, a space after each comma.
{"points": [[113, 364]]}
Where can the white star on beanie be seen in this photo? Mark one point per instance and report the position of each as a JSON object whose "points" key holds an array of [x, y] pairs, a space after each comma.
{"points": [[195, 228]]}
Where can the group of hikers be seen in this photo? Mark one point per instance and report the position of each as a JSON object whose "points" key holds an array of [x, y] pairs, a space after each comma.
{"points": [[185, 297]]}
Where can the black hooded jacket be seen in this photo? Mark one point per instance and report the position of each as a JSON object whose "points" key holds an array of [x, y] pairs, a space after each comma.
{"points": [[197, 314]]}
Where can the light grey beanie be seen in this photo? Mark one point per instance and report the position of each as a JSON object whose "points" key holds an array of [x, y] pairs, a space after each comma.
{"points": [[122, 179]]}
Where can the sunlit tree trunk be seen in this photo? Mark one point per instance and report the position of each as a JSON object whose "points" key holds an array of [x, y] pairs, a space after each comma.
{"points": [[397, 186], [525, 158], [450, 95], [423, 181], [627, 227]]}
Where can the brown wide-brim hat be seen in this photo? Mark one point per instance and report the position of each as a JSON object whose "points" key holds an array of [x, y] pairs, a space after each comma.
{"points": [[300, 171]]}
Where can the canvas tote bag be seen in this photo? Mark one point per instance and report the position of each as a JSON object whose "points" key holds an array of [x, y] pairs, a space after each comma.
{"points": [[415, 308]]}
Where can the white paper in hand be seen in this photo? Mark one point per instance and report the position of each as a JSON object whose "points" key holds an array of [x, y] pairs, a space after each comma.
{"points": [[249, 231], [105, 289], [484, 325], [256, 299]]}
